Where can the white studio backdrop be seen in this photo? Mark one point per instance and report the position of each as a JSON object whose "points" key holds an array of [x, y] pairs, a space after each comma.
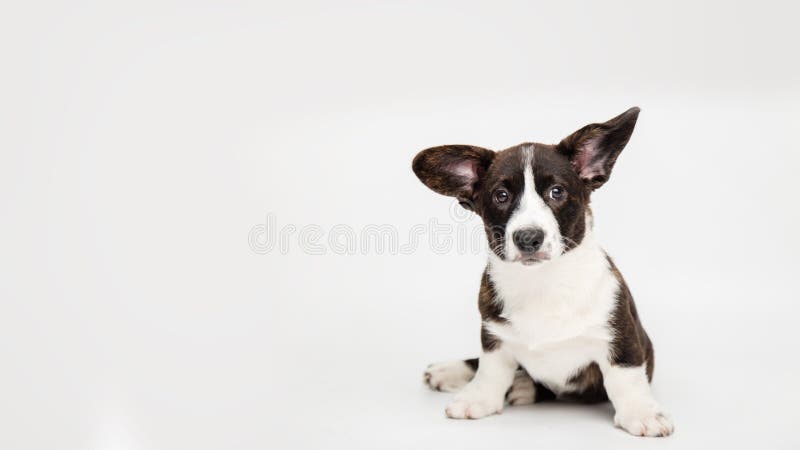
{"points": [[149, 150]]}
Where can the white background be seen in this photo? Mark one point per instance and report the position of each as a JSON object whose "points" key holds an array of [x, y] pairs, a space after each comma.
{"points": [[141, 142]]}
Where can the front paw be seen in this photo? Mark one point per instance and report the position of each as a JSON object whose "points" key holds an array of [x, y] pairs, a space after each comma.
{"points": [[473, 406], [644, 422]]}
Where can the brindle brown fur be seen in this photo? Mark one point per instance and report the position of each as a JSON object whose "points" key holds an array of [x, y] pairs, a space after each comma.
{"points": [[630, 346], [490, 307], [587, 385], [447, 170], [493, 170]]}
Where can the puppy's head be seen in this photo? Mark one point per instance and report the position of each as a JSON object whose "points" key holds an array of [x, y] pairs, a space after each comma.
{"points": [[533, 198]]}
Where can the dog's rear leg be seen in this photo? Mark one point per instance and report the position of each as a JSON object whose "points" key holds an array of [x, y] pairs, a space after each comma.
{"points": [[451, 376], [523, 390]]}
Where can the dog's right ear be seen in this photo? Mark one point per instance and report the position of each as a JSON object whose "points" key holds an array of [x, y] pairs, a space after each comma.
{"points": [[453, 170]]}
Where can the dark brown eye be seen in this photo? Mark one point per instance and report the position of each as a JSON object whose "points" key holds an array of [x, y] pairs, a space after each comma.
{"points": [[557, 192], [501, 196]]}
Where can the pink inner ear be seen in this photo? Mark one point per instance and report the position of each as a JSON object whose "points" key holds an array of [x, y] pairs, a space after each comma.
{"points": [[465, 170], [586, 152], [588, 174]]}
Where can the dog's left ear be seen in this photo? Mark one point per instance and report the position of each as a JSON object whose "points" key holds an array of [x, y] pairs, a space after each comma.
{"points": [[594, 149]]}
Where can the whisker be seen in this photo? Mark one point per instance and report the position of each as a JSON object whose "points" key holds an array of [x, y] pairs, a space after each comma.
{"points": [[569, 242]]}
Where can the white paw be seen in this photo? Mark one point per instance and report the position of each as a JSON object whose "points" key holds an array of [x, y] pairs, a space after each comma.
{"points": [[522, 391], [473, 405], [448, 376], [644, 422]]}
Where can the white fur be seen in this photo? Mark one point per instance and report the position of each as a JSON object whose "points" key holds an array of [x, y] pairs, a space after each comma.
{"points": [[637, 412], [485, 394], [557, 311], [532, 211], [557, 322], [448, 376], [452, 376]]}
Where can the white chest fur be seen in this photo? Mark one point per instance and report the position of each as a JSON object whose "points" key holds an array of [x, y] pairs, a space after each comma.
{"points": [[557, 312]]}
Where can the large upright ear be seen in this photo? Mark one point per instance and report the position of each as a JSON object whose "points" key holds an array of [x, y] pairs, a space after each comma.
{"points": [[594, 148], [453, 170]]}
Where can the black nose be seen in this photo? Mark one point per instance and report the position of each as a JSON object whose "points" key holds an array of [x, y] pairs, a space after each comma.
{"points": [[528, 240]]}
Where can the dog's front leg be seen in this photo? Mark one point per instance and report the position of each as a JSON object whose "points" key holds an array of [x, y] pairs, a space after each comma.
{"points": [[637, 412], [485, 394]]}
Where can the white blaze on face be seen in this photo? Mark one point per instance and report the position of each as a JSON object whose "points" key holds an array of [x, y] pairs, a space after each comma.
{"points": [[532, 212]]}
